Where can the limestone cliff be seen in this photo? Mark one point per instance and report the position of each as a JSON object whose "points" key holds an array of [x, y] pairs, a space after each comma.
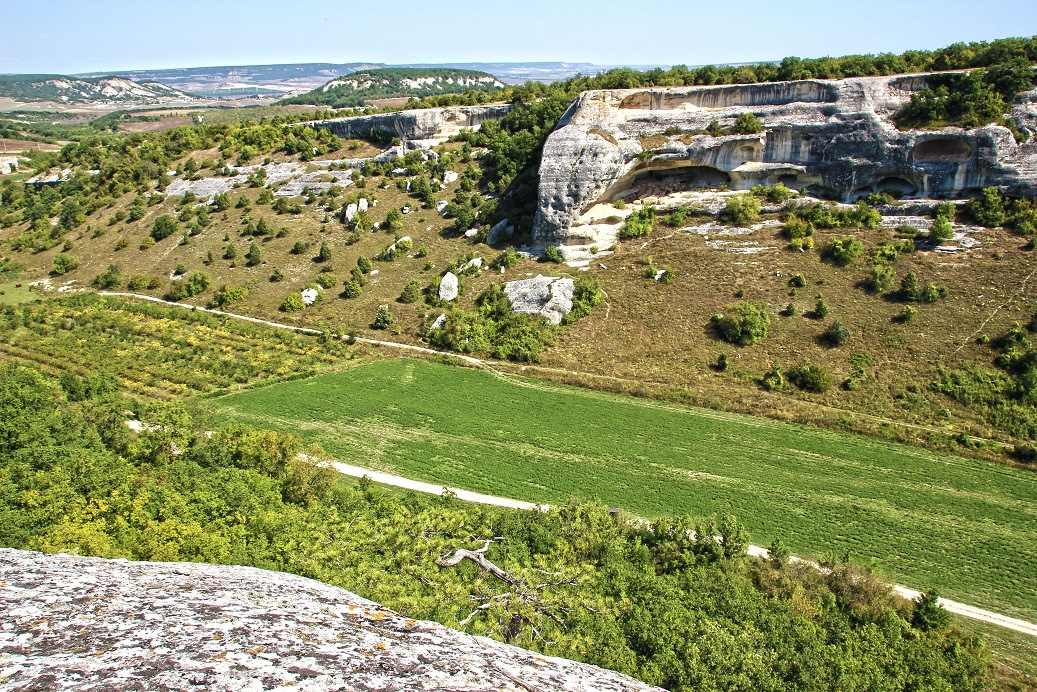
{"points": [[417, 124], [86, 623], [835, 137]]}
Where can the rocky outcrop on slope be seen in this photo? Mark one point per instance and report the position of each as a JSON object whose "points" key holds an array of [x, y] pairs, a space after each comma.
{"points": [[417, 124], [88, 623], [542, 295], [836, 138]]}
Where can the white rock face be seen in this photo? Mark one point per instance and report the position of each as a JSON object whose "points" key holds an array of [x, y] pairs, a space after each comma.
{"points": [[441, 206], [351, 211], [476, 262], [309, 296], [362, 204], [471, 233], [549, 296], [448, 287], [189, 626], [438, 323], [449, 176]]}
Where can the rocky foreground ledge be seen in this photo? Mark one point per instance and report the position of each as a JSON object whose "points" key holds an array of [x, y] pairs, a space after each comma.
{"points": [[87, 623]]}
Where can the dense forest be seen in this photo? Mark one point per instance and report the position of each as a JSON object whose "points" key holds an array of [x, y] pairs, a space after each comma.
{"points": [[646, 599]]}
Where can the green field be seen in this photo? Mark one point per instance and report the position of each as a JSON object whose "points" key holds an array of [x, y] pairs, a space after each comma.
{"points": [[927, 519]]}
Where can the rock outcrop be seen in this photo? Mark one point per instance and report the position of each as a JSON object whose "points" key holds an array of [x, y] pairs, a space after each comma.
{"points": [[88, 623], [542, 295], [417, 124], [836, 138]]}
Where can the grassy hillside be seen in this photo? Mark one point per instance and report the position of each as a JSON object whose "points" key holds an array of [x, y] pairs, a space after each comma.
{"points": [[62, 89], [418, 82]]}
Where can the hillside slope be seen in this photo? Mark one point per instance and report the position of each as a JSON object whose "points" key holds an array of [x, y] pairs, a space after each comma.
{"points": [[72, 90], [398, 82]]}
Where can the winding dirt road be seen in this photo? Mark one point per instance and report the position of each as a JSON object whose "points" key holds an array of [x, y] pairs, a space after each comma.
{"points": [[1021, 626]]}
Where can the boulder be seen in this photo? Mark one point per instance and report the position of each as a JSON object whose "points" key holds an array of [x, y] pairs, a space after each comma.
{"points": [[309, 296], [362, 204], [351, 210], [449, 177], [448, 287], [549, 296]]}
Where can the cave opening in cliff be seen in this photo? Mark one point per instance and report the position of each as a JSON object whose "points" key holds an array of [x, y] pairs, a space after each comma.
{"points": [[942, 150], [658, 182]]}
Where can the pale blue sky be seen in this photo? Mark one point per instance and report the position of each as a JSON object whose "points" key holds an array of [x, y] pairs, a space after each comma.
{"points": [[68, 36]]}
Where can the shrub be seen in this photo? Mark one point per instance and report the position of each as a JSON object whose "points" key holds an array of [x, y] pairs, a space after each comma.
{"points": [[505, 260], [798, 281], [324, 254], [552, 254], [773, 380], [137, 212], [722, 362], [163, 227], [298, 248], [383, 319], [741, 210], [351, 289], [789, 310], [988, 209], [254, 255], [277, 275], [638, 223], [411, 292], [844, 250], [879, 278], [230, 253], [108, 279], [64, 263], [748, 124], [742, 324], [363, 264], [194, 284], [907, 313], [941, 231], [821, 307], [678, 217], [394, 219], [810, 377], [779, 194], [225, 295], [326, 280], [292, 302], [836, 334]]}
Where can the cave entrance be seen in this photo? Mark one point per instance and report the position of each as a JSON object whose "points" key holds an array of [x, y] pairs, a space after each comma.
{"points": [[658, 182], [898, 187], [942, 149]]}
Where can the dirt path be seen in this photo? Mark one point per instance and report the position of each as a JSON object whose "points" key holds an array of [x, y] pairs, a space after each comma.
{"points": [[961, 609]]}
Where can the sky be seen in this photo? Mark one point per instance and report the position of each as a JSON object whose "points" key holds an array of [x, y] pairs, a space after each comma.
{"points": [[78, 36]]}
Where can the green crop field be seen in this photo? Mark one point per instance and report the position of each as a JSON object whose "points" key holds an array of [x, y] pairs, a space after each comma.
{"points": [[927, 519]]}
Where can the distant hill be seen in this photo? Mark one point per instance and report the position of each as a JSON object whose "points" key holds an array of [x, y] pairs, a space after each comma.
{"points": [[395, 82], [62, 89], [231, 81]]}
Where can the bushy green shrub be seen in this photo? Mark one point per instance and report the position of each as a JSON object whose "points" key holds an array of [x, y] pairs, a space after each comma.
{"points": [[778, 194], [741, 210], [773, 380], [110, 278], [836, 334], [64, 263], [163, 227], [194, 284], [327, 280], [941, 231], [810, 377], [506, 259], [742, 323], [292, 302], [639, 223], [988, 209], [226, 295], [411, 292], [879, 278], [552, 254], [797, 281], [843, 250], [383, 319], [748, 124], [820, 307]]}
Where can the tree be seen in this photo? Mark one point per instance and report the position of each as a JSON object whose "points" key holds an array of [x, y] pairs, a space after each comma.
{"points": [[821, 307], [324, 254], [844, 250], [163, 227], [411, 292], [929, 615], [254, 255], [941, 231], [810, 377], [742, 324], [394, 219], [363, 264], [836, 334], [64, 263], [383, 319], [351, 289]]}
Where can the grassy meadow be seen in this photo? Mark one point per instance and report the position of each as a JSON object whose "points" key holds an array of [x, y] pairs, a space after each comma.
{"points": [[965, 526]]}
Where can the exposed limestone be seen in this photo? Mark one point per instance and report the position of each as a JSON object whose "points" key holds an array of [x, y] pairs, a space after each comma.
{"points": [[448, 287], [418, 124], [549, 296], [835, 137], [88, 623], [309, 296]]}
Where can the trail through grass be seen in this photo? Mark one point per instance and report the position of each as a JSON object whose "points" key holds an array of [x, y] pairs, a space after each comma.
{"points": [[966, 526]]}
